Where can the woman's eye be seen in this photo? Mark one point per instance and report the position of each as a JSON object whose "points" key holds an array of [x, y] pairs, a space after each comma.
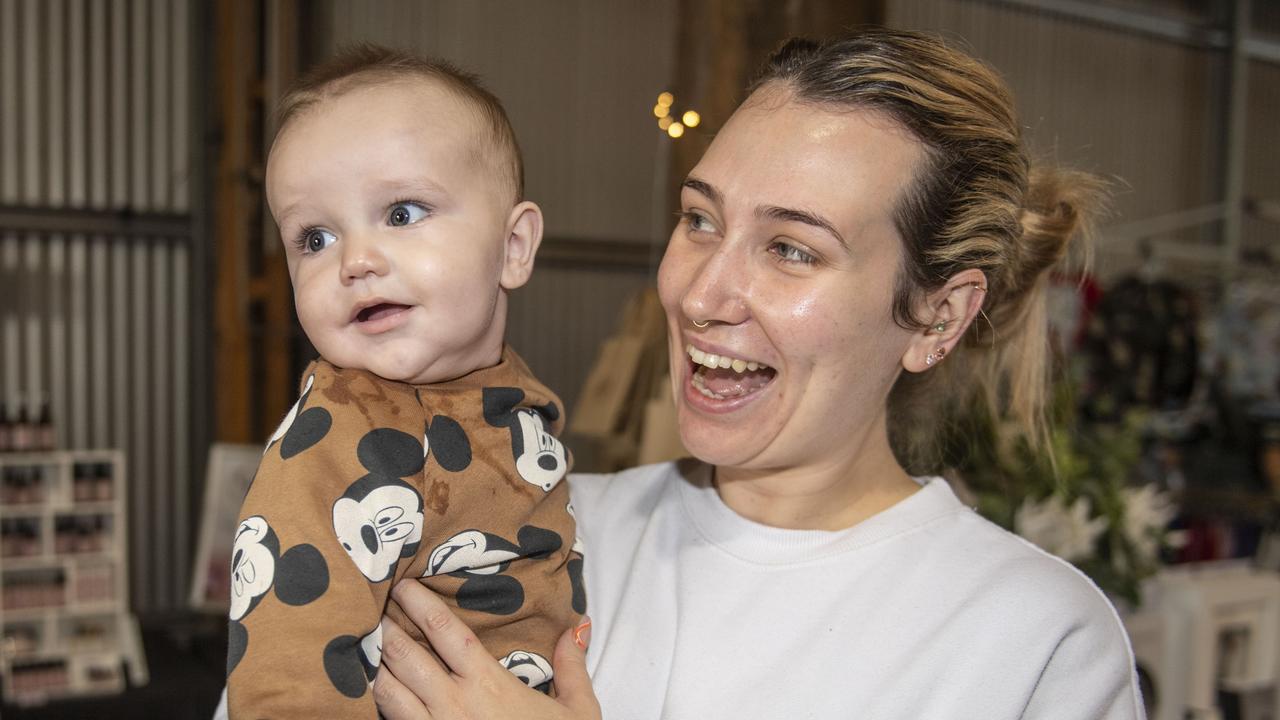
{"points": [[315, 240], [792, 254], [698, 222], [406, 213]]}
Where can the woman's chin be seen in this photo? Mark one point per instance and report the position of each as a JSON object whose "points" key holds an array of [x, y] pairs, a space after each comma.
{"points": [[729, 432]]}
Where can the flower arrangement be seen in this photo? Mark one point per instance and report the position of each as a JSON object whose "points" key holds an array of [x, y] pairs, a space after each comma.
{"points": [[1081, 498]]}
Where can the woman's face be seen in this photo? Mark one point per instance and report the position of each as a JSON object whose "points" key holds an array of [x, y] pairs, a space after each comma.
{"points": [[787, 247]]}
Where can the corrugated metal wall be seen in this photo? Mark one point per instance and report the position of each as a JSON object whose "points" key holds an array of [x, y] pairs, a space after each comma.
{"points": [[95, 150], [1142, 110]]}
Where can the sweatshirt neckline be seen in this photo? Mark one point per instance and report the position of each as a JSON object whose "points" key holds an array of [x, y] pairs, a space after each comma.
{"points": [[763, 544]]}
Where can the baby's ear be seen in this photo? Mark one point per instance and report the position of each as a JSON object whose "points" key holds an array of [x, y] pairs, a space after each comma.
{"points": [[524, 234]]}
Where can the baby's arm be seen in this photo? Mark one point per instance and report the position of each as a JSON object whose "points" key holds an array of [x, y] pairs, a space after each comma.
{"points": [[324, 527]]}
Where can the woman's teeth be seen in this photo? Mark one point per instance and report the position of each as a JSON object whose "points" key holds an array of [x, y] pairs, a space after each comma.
{"points": [[714, 361], [721, 377]]}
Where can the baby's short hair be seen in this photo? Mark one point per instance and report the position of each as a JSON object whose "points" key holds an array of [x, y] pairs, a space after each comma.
{"points": [[366, 65]]}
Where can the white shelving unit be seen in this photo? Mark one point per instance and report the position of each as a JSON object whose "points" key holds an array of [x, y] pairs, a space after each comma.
{"points": [[65, 625]]}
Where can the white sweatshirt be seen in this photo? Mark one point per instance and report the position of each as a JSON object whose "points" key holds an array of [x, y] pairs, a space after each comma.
{"points": [[923, 611]]}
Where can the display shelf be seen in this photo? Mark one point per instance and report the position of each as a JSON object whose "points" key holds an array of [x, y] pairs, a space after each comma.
{"points": [[64, 610]]}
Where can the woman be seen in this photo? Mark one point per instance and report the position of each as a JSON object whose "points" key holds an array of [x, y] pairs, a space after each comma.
{"points": [[868, 201]]}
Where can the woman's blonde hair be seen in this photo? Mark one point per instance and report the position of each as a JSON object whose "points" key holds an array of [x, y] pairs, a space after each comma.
{"points": [[977, 203]]}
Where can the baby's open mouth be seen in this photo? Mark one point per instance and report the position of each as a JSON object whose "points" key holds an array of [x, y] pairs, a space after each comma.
{"points": [[721, 377], [379, 311]]}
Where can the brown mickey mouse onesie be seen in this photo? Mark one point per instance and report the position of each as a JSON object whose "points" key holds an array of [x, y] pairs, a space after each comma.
{"points": [[369, 481]]}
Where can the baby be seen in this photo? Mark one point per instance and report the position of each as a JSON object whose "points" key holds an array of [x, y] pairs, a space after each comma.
{"points": [[421, 446]]}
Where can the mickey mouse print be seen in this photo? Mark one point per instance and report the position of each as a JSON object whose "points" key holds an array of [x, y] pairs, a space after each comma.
{"points": [[368, 482]]}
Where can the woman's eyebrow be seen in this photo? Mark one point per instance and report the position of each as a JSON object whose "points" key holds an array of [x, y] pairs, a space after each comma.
{"points": [[801, 216], [705, 188]]}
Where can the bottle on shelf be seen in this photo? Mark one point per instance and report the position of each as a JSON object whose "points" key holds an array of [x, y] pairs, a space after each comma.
{"points": [[103, 482], [43, 429], [21, 435]]}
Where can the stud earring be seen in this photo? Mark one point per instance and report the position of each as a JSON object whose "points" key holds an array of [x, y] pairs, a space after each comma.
{"points": [[940, 327], [935, 357]]}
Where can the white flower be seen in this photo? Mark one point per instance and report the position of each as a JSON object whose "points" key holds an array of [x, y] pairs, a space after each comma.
{"points": [[1147, 512], [1066, 532]]}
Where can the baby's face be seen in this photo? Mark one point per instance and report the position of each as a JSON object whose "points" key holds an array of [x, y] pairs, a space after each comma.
{"points": [[394, 226]]}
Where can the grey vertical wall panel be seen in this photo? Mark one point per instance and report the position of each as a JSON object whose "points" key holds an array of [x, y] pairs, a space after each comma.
{"points": [[119, 99], [77, 96], [9, 321], [8, 102], [32, 128], [140, 120], [54, 111], [179, 177], [99, 107], [76, 417]]}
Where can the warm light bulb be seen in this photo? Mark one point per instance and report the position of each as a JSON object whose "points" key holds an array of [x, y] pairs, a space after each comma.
{"points": [[661, 110], [666, 99], [691, 118], [675, 130], [664, 123]]}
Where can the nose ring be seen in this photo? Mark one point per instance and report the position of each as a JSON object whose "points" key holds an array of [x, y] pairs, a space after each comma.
{"points": [[699, 324]]}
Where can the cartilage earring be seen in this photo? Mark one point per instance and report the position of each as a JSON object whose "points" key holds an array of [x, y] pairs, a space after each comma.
{"points": [[940, 327], [935, 357]]}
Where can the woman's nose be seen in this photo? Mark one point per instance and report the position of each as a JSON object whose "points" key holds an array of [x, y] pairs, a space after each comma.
{"points": [[361, 257], [717, 288]]}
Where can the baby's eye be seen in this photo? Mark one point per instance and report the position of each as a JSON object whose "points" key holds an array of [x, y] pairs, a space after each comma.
{"points": [[314, 240], [406, 213]]}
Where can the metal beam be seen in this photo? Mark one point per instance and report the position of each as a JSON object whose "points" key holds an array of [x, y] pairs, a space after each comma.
{"points": [[1144, 23], [1160, 26], [113, 223]]}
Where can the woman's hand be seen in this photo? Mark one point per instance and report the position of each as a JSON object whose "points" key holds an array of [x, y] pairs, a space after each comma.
{"points": [[470, 684]]}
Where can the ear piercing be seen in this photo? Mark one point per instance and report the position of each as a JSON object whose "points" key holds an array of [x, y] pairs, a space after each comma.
{"points": [[940, 327], [699, 324], [935, 357]]}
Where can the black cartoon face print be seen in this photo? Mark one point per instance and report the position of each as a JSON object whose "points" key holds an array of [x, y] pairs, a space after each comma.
{"points": [[351, 662], [540, 457], [480, 558], [449, 443], [532, 669], [300, 428], [378, 520], [578, 599], [298, 577]]}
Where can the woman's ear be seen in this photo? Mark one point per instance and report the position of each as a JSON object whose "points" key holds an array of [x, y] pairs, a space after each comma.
{"points": [[524, 235], [949, 311]]}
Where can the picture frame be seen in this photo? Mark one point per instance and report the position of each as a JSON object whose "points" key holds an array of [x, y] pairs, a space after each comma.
{"points": [[230, 470]]}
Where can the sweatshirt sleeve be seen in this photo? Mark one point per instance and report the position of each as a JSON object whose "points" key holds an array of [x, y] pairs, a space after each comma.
{"points": [[1091, 673], [331, 520]]}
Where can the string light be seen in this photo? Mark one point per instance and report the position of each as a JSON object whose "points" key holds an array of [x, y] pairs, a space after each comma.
{"points": [[674, 128]]}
